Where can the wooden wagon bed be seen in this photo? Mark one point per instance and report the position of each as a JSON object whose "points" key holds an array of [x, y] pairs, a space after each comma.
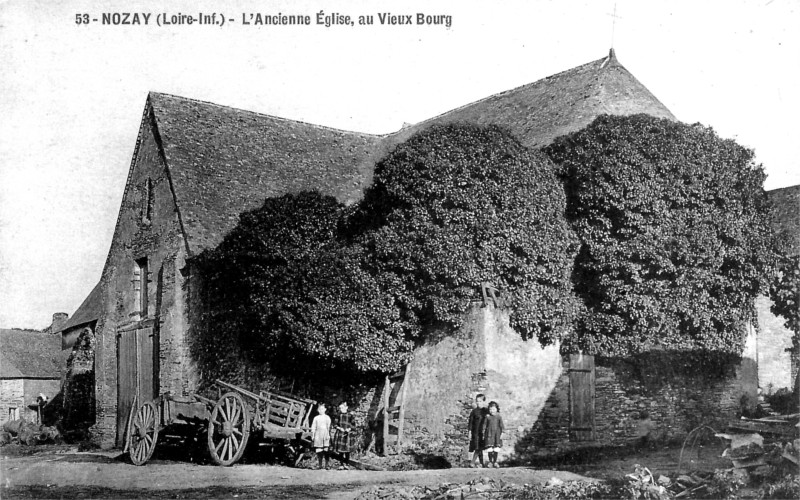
{"points": [[228, 423]]}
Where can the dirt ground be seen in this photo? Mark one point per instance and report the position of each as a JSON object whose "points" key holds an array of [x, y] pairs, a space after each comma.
{"points": [[63, 472]]}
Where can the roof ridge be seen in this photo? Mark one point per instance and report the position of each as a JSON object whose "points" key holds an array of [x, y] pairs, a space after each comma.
{"points": [[147, 106], [795, 186], [274, 117], [614, 62], [509, 91]]}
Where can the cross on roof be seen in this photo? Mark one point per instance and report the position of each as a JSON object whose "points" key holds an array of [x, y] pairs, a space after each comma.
{"points": [[614, 18]]}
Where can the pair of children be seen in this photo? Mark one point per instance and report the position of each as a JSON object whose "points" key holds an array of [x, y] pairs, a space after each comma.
{"points": [[486, 431], [322, 437]]}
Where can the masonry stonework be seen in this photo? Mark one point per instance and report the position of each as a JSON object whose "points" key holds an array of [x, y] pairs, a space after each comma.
{"points": [[12, 399], [675, 404], [485, 356], [774, 340], [149, 227]]}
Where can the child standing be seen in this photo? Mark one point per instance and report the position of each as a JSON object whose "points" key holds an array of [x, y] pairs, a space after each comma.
{"points": [[341, 438], [492, 433], [475, 434], [321, 435]]}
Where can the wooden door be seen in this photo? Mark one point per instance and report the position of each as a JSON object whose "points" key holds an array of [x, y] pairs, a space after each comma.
{"points": [[581, 397], [137, 375]]}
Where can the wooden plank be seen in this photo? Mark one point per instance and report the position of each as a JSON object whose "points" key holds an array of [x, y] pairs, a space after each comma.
{"points": [[128, 427], [386, 389], [243, 392], [581, 397], [208, 402], [126, 381], [402, 416], [145, 366]]}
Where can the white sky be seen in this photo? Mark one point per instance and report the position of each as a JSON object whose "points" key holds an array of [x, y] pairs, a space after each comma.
{"points": [[71, 96]]}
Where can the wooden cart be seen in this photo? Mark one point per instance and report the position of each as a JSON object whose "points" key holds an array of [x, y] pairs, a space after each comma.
{"points": [[228, 423]]}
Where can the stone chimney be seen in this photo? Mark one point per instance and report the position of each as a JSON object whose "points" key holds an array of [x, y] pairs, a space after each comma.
{"points": [[58, 320]]}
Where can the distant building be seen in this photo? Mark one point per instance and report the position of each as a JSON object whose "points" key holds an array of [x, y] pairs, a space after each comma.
{"points": [[84, 318], [31, 363], [59, 319]]}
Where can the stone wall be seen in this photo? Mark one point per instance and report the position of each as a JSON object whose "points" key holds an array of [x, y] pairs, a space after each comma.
{"points": [[19, 393], [11, 396], [675, 403], [485, 356], [774, 361], [149, 228], [32, 389]]}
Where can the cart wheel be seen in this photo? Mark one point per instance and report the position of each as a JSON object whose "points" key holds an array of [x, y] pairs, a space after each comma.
{"points": [[143, 434], [228, 429]]}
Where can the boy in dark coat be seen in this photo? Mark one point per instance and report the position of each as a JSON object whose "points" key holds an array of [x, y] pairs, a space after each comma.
{"points": [[474, 425]]}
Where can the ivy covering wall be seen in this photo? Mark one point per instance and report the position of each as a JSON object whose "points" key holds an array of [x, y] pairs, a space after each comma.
{"points": [[675, 232], [632, 234], [305, 285]]}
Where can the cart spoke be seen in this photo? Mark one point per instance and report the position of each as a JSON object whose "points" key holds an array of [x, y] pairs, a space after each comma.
{"points": [[217, 447], [236, 414], [235, 441], [237, 432], [225, 448], [234, 410]]}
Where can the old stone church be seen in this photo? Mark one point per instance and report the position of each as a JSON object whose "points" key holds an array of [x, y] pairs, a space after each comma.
{"points": [[198, 165]]}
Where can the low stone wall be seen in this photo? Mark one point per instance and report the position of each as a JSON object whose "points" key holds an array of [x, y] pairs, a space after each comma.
{"points": [[676, 406]]}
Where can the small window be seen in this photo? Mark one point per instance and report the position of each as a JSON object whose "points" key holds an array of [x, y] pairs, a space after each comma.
{"points": [[13, 414], [148, 200], [140, 291]]}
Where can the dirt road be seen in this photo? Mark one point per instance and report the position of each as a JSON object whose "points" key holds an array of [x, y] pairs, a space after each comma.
{"points": [[94, 475]]}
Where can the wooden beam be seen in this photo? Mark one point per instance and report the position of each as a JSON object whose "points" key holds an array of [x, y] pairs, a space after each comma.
{"points": [[386, 390], [402, 415]]}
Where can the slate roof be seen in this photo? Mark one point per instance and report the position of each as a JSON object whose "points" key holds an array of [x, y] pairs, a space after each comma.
{"points": [[90, 310], [786, 211], [30, 354], [224, 161], [539, 112]]}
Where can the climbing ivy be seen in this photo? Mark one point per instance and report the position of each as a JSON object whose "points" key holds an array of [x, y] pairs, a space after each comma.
{"points": [[675, 233], [304, 285], [281, 290], [456, 206]]}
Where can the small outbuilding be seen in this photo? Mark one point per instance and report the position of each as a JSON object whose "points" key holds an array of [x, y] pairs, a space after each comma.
{"points": [[31, 364]]}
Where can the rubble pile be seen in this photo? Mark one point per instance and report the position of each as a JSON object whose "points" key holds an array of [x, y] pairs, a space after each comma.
{"points": [[763, 447], [28, 433], [482, 488]]}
